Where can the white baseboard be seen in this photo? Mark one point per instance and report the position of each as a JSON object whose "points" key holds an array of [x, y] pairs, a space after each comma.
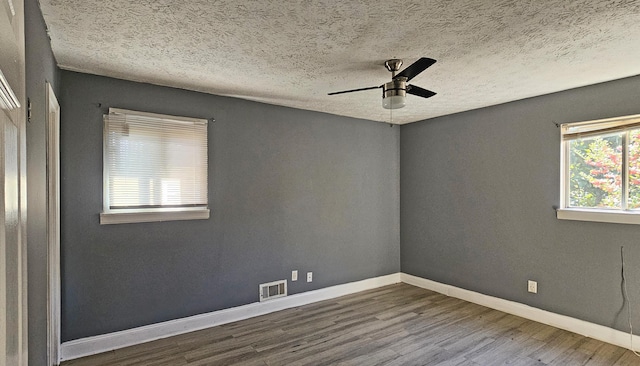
{"points": [[106, 342], [574, 325]]}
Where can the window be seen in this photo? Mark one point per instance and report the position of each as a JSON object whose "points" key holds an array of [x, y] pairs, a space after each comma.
{"points": [[601, 170], [155, 168]]}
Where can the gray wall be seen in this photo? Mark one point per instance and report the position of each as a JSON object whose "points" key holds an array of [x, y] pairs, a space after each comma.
{"points": [[288, 189], [40, 68], [478, 191]]}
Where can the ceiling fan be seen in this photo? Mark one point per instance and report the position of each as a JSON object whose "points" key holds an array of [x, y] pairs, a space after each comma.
{"points": [[395, 91]]}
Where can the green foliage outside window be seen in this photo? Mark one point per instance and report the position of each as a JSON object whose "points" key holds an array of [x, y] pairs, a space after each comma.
{"points": [[595, 171]]}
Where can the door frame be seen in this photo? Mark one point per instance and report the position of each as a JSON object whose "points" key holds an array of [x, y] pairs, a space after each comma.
{"points": [[52, 124]]}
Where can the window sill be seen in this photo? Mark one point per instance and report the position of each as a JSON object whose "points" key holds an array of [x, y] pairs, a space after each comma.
{"points": [[133, 216], [616, 217]]}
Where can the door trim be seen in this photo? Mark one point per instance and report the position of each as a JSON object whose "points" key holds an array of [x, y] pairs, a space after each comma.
{"points": [[53, 226]]}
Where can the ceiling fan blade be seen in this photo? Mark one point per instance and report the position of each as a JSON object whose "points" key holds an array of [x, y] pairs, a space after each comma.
{"points": [[355, 90], [415, 68], [416, 90]]}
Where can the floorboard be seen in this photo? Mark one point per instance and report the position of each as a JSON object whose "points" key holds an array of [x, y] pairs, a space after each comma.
{"points": [[394, 325]]}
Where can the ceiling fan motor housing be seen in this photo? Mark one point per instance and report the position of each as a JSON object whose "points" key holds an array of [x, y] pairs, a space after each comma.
{"points": [[394, 93]]}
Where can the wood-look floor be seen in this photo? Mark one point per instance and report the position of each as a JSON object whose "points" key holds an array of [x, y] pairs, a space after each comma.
{"points": [[392, 325]]}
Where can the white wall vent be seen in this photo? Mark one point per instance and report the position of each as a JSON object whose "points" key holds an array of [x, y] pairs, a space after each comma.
{"points": [[273, 290]]}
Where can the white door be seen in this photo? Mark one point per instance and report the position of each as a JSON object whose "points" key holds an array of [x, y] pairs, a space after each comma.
{"points": [[11, 239], [13, 270]]}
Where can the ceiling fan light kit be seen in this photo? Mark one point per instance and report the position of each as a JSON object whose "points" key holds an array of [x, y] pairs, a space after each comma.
{"points": [[394, 92]]}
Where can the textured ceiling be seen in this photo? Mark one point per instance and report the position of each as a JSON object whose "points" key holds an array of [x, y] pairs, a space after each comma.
{"points": [[293, 53]]}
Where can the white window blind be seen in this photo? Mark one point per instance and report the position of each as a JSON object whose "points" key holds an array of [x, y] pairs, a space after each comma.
{"points": [[154, 162], [576, 130]]}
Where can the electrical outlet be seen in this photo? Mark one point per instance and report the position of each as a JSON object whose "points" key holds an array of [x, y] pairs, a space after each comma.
{"points": [[294, 275], [309, 276], [532, 286]]}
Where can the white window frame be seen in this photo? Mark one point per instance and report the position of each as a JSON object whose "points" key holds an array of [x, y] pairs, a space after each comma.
{"points": [[594, 128], [123, 216]]}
